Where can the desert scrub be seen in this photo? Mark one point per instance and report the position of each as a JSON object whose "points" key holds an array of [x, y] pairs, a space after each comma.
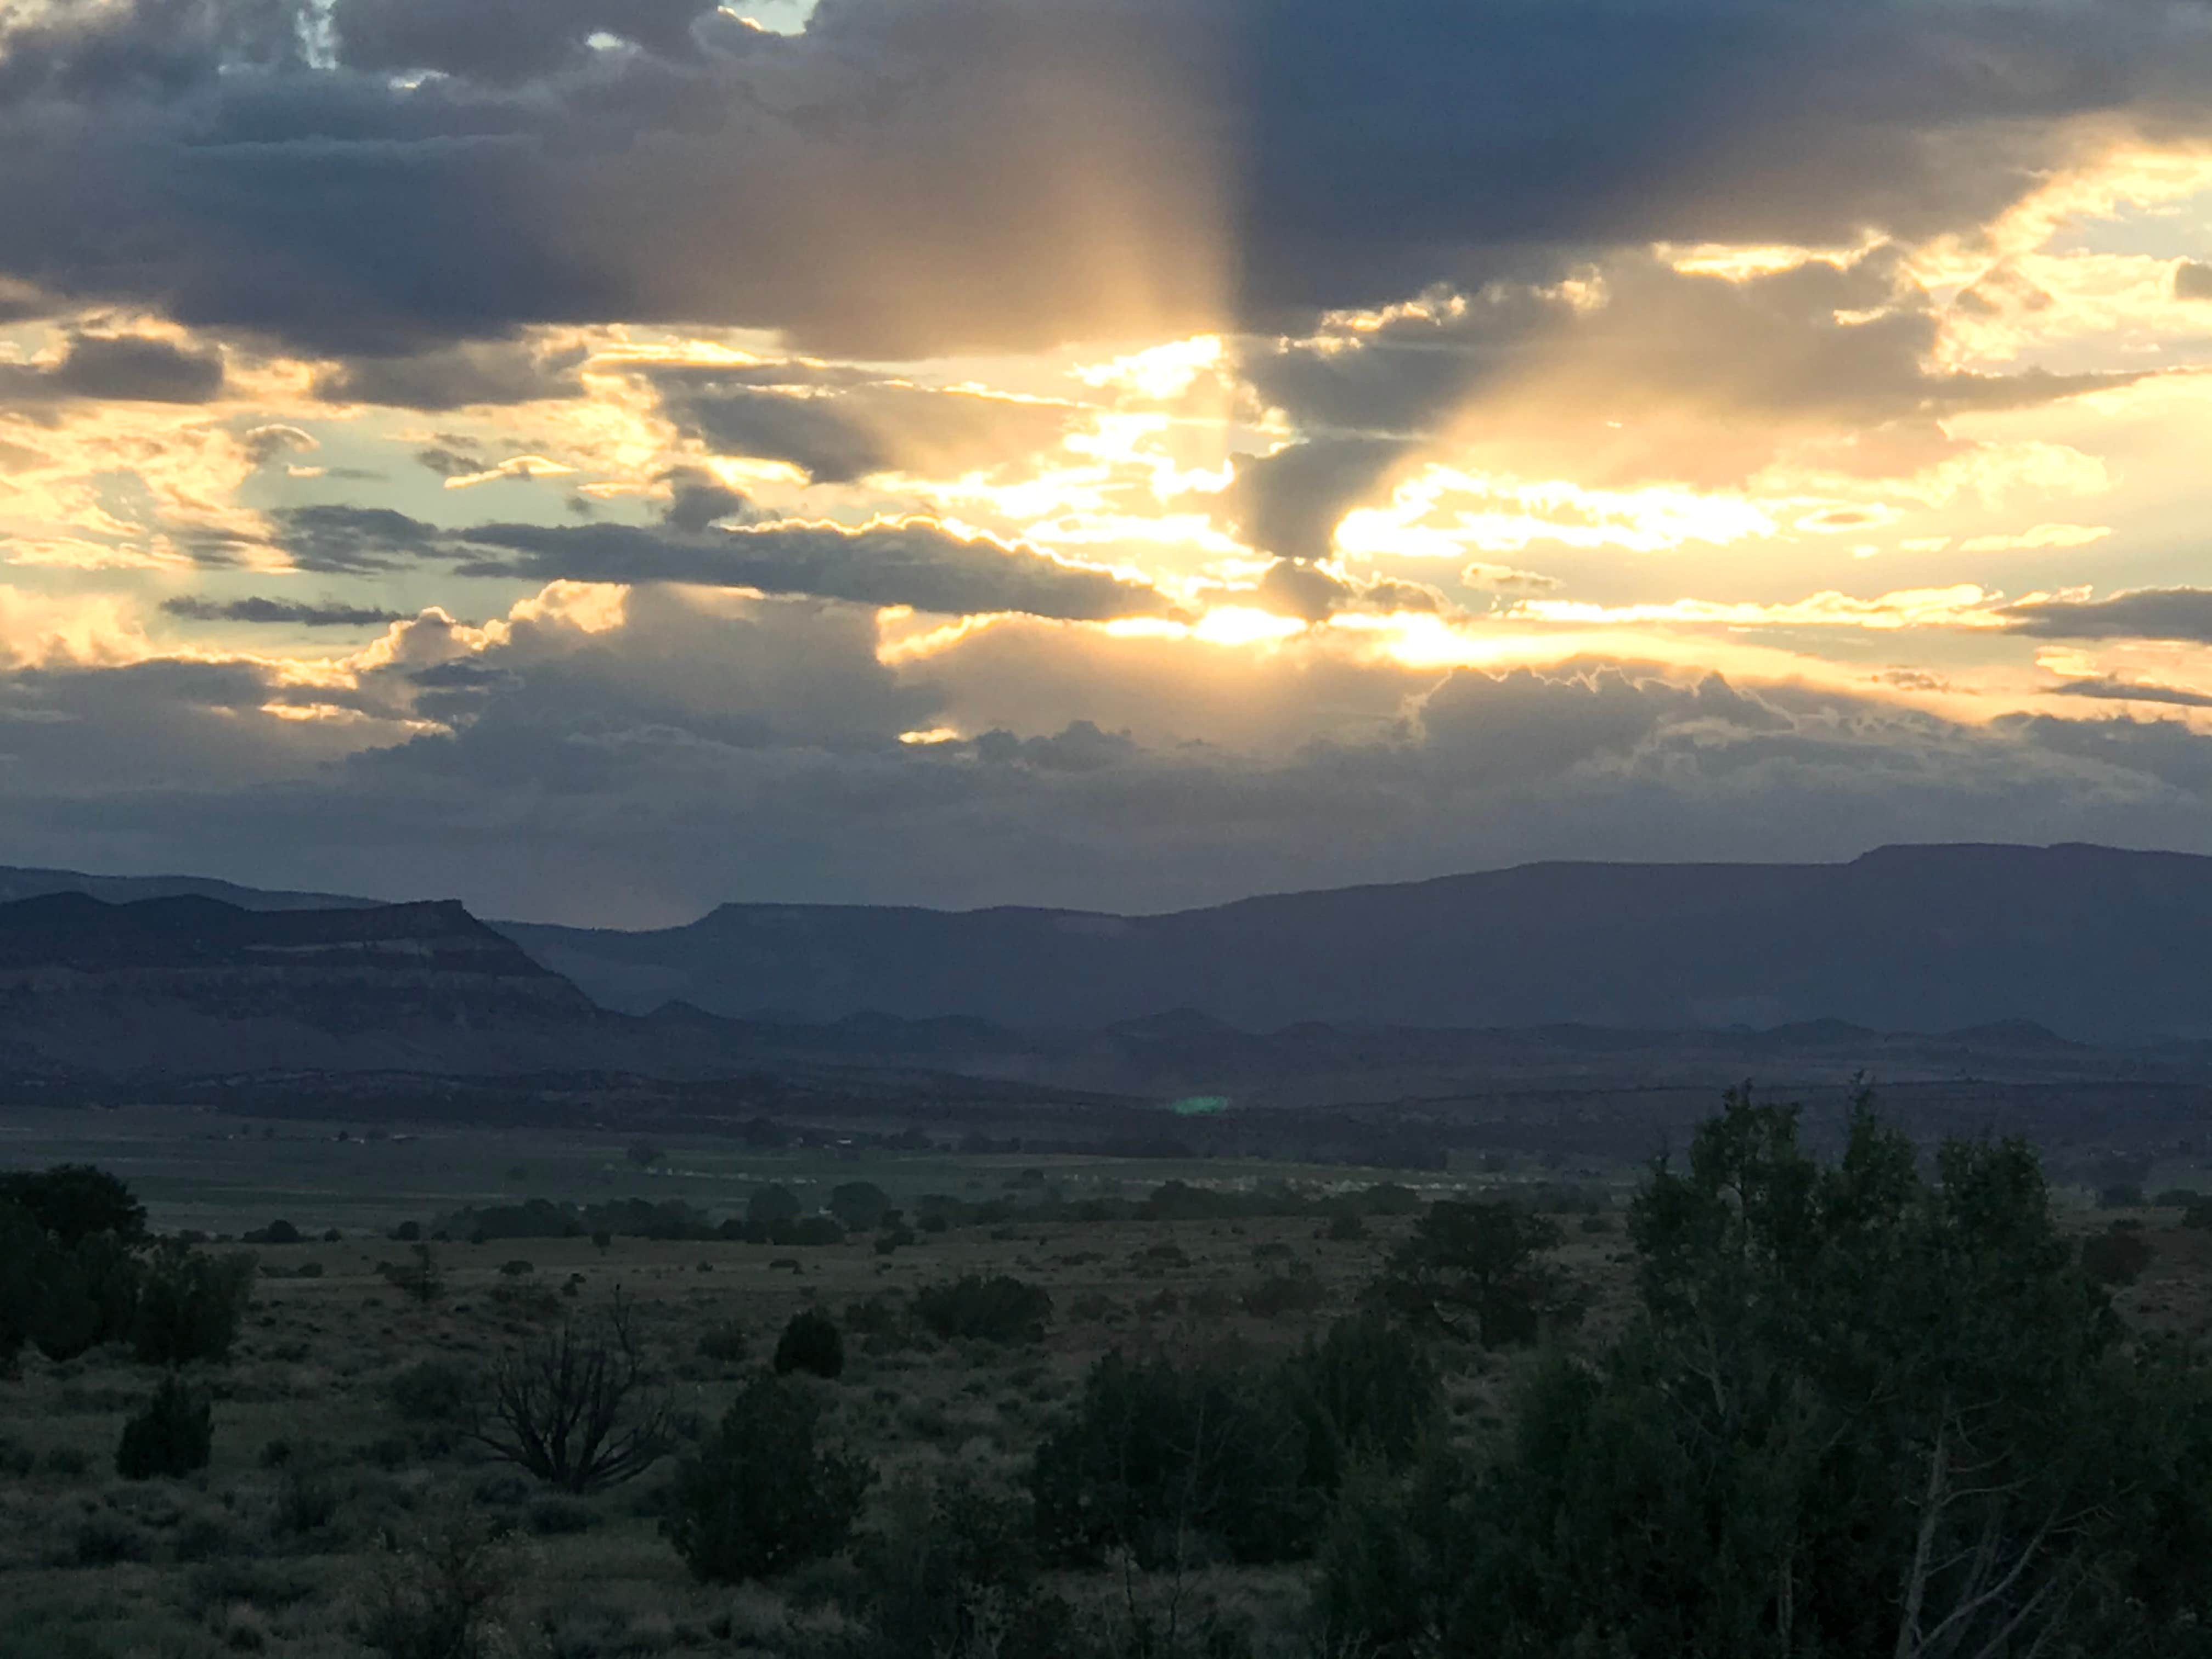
{"points": [[811, 1342], [764, 1494], [174, 1434], [1000, 1309]]}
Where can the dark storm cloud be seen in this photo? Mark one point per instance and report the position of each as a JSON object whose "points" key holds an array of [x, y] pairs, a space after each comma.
{"points": [[2146, 613], [354, 540], [118, 368], [289, 612], [843, 433], [651, 771], [504, 40], [1291, 588], [2193, 280], [1818, 341], [1078, 746], [2112, 690], [1015, 165], [1709, 375], [911, 561], [697, 500], [455, 377], [1289, 502]]}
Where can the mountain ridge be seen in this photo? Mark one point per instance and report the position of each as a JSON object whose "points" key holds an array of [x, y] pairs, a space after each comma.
{"points": [[2096, 944], [2092, 943]]}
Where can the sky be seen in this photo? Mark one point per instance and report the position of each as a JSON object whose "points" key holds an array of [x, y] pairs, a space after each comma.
{"points": [[600, 459]]}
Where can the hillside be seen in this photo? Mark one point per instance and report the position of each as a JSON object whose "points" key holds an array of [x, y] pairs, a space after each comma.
{"points": [[192, 985], [2095, 943]]}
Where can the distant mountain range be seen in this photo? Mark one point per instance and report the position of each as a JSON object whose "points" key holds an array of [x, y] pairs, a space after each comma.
{"points": [[2020, 949], [2092, 943]]}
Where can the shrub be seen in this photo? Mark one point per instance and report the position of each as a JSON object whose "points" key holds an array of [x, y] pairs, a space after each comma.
{"points": [[1285, 1293], [1159, 1458], [106, 1540], [2116, 1255], [1346, 1227], [811, 1342], [576, 1408], [770, 1205], [190, 1306], [72, 1202], [1852, 1390], [276, 1232], [1000, 1309], [2120, 1195], [172, 1434], [1367, 1389], [763, 1495], [64, 1297], [439, 1596], [407, 1232], [860, 1205], [951, 1570], [872, 1315], [517, 1268], [553, 1517], [725, 1344], [307, 1499], [422, 1277], [432, 1391], [1478, 1271]]}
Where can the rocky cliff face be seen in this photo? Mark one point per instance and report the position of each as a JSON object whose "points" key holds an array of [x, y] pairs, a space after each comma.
{"points": [[191, 985]]}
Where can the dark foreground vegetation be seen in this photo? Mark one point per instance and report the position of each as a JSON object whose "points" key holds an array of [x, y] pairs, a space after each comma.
{"points": [[1887, 1403]]}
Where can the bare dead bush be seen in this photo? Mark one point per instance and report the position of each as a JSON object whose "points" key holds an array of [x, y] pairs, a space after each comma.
{"points": [[576, 1408]]}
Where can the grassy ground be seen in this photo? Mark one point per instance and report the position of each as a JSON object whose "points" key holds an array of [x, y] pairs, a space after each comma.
{"points": [[320, 1469]]}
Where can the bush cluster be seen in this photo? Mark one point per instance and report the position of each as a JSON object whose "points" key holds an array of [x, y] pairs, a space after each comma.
{"points": [[764, 1494], [172, 1434], [1173, 1462], [77, 1268], [1000, 1309], [811, 1342]]}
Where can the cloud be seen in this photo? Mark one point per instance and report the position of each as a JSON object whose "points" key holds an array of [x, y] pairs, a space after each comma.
{"points": [[2193, 280], [353, 540], [288, 613], [1078, 746], [1029, 173], [456, 377], [2144, 613], [2040, 536], [515, 468], [1290, 502], [840, 434], [2118, 690], [908, 562], [1290, 588], [698, 499], [698, 750], [118, 368], [1638, 371], [505, 41]]}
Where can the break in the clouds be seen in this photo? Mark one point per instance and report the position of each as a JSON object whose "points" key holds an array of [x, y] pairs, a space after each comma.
{"points": [[602, 457]]}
